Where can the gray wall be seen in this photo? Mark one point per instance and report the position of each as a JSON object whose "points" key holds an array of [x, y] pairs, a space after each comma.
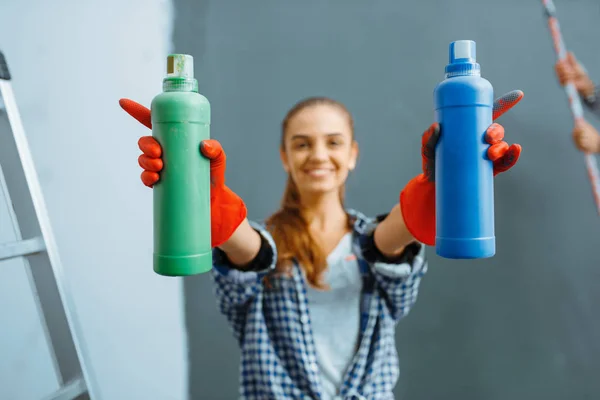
{"points": [[71, 62], [521, 325]]}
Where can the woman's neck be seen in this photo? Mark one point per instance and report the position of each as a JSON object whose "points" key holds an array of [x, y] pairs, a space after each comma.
{"points": [[325, 213]]}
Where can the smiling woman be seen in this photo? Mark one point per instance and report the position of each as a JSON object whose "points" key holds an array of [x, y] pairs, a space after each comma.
{"points": [[314, 294], [317, 145], [317, 151]]}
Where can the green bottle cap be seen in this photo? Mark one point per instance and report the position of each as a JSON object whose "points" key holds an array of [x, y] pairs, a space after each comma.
{"points": [[180, 74]]}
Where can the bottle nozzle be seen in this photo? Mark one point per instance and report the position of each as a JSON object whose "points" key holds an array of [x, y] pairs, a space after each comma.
{"points": [[463, 59], [180, 66], [180, 74], [463, 50]]}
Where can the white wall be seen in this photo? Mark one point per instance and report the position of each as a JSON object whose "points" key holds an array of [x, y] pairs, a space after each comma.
{"points": [[71, 61]]}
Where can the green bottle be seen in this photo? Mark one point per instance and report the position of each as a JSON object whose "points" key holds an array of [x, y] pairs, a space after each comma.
{"points": [[180, 121]]}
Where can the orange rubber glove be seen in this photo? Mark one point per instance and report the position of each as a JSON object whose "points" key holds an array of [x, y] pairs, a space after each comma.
{"points": [[417, 199], [227, 209]]}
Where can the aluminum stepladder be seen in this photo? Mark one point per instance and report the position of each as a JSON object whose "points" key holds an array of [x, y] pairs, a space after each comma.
{"points": [[35, 245]]}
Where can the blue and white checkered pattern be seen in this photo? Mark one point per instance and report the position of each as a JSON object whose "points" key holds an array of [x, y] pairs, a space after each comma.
{"points": [[272, 325], [593, 101]]}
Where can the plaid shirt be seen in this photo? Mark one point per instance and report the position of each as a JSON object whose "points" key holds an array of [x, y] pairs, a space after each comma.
{"points": [[593, 101], [272, 325]]}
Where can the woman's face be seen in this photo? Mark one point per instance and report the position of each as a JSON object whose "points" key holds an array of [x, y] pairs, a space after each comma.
{"points": [[319, 149]]}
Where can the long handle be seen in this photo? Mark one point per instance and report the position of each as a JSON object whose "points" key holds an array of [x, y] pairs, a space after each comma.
{"points": [[574, 101]]}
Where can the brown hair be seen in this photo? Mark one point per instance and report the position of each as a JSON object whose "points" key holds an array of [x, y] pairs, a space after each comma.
{"points": [[288, 226]]}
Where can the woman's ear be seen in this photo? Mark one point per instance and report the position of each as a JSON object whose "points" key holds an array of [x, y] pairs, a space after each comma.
{"points": [[353, 156], [284, 160]]}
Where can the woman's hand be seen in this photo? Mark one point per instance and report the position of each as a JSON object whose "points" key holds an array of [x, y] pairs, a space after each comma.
{"points": [[417, 199], [569, 70], [227, 209], [586, 137]]}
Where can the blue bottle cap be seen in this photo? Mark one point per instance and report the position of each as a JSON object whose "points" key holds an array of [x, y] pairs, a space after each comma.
{"points": [[463, 59]]}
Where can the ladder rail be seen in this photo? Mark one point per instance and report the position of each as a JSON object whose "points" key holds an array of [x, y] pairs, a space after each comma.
{"points": [[7, 254], [53, 297]]}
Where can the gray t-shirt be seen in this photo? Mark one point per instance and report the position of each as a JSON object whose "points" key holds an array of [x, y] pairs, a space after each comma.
{"points": [[335, 317]]}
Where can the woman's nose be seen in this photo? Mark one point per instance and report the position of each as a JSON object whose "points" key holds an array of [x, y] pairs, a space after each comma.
{"points": [[319, 152]]}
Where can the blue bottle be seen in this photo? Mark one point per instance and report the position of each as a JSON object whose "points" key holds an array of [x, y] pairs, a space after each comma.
{"points": [[464, 177]]}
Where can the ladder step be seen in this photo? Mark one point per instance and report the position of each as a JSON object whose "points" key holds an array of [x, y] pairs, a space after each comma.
{"points": [[70, 391], [21, 248]]}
